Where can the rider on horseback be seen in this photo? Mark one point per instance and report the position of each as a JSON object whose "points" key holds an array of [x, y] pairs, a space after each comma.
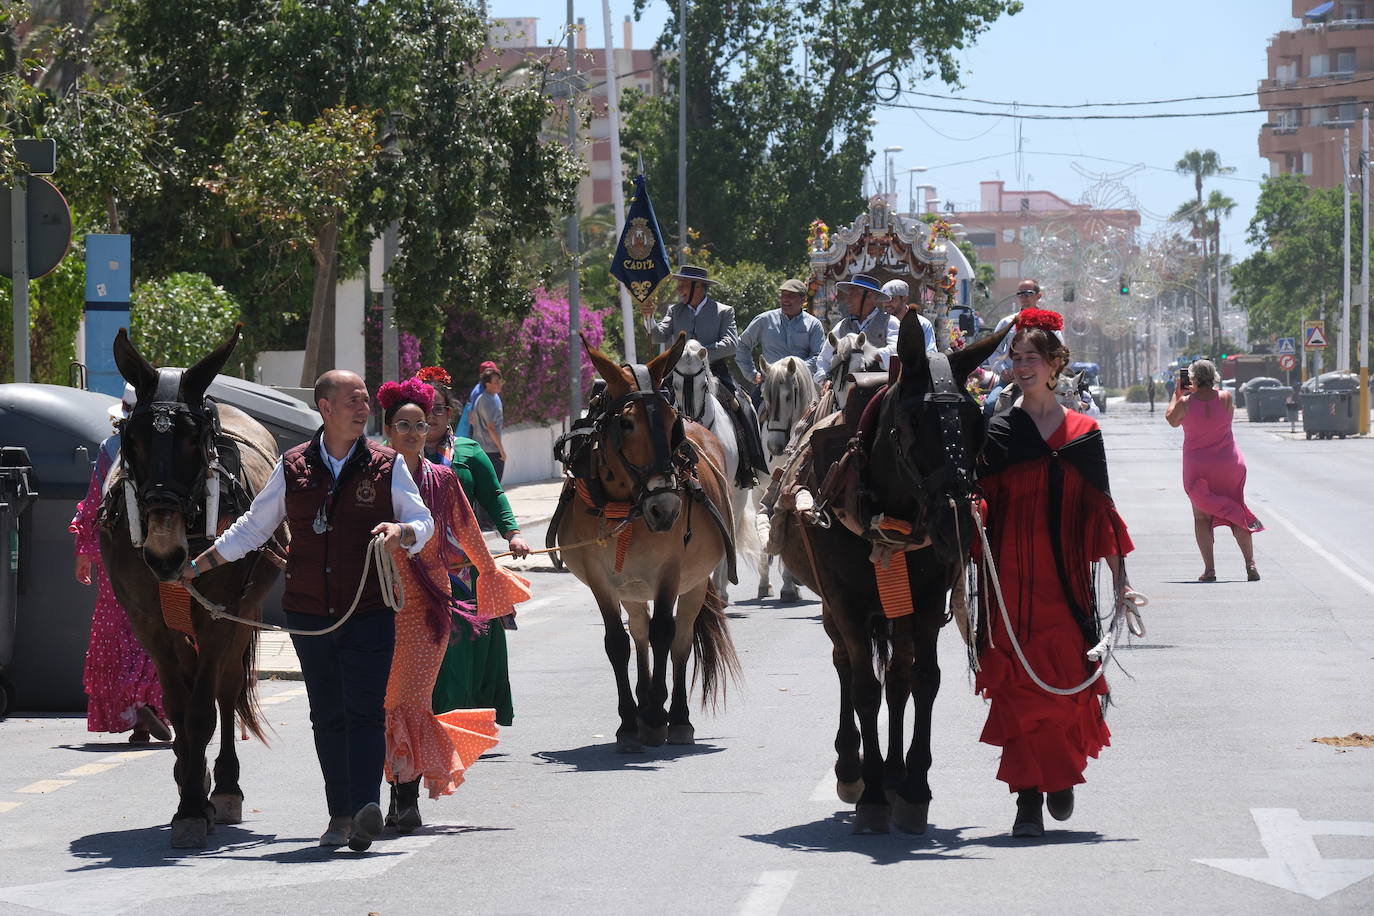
{"points": [[862, 296], [788, 330], [712, 324]]}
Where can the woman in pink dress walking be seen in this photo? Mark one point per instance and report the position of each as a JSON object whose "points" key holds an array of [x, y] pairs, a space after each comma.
{"points": [[1213, 467]]}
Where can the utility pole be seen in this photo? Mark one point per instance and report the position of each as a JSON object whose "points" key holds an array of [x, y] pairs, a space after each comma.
{"points": [[681, 130], [1364, 275], [627, 313], [1343, 354], [574, 241], [19, 258]]}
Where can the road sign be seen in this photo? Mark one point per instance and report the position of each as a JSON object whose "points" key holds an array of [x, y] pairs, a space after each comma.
{"points": [[1288, 345], [49, 229], [1287, 361], [1314, 335]]}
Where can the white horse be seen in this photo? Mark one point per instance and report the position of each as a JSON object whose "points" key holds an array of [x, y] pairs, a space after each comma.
{"points": [[788, 392], [695, 396], [853, 353]]}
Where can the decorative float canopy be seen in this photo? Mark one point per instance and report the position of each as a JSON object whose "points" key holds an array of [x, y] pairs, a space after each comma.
{"points": [[884, 245]]}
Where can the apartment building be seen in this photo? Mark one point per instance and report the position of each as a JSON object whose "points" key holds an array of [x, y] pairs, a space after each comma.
{"points": [[1314, 91], [1005, 221], [512, 41]]}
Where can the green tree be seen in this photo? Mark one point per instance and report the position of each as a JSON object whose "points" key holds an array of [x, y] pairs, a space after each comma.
{"points": [[1295, 269], [780, 93], [177, 319]]}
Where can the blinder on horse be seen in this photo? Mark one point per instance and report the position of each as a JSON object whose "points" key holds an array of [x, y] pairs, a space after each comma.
{"points": [[672, 451]]}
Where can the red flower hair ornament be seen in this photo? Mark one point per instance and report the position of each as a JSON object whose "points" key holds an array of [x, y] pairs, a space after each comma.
{"points": [[411, 391], [435, 375], [1040, 318]]}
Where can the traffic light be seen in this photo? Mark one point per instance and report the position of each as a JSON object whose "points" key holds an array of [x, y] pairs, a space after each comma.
{"points": [[1125, 285], [1068, 292]]}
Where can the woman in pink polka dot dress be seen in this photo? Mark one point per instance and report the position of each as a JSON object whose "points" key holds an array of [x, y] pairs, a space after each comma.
{"points": [[420, 744], [120, 679]]}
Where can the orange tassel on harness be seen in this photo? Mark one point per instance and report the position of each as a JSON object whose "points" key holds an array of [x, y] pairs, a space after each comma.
{"points": [[611, 511]]}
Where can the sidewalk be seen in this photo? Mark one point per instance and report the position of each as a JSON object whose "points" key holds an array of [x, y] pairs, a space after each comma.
{"points": [[533, 505]]}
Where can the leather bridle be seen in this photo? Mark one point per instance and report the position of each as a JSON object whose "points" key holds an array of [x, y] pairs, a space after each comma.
{"points": [[672, 452]]}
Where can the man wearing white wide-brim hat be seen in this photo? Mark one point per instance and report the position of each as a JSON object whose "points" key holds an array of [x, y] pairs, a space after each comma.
{"points": [[862, 295], [899, 305]]}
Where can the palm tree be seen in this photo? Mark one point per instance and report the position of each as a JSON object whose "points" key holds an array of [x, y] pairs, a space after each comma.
{"points": [[1217, 207], [1202, 164]]}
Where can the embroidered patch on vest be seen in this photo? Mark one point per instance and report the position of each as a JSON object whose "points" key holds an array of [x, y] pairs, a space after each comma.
{"points": [[366, 494]]}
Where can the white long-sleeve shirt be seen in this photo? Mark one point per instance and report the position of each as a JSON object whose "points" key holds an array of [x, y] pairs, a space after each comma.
{"points": [[262, 519]]}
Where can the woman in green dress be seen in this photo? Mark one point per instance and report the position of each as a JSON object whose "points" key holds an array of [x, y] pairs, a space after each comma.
{"points": [[475, 672]]}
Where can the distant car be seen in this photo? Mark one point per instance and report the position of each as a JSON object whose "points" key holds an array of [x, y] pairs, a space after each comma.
{"points": [[1092, 375]]}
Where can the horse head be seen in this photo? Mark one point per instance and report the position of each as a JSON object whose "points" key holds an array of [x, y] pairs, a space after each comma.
{"points": [[166, 444], [691, 380], [927, 441], [1068, 391], [853, 353], [639, 434], [788, 390]]}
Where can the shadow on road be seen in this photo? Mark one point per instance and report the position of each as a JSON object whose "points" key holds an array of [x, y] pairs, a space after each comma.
{"points": [[150, 847], [115, 747], [833, 834], [601, 758]]}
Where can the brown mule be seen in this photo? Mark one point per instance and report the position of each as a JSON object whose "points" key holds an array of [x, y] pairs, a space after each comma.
{"points": [[674, 546], [164, 449]]}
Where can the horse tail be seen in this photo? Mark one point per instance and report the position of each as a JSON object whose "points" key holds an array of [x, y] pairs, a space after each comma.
{"points": [[713, 650], [748, 542], [880, 641], [247, 708]]}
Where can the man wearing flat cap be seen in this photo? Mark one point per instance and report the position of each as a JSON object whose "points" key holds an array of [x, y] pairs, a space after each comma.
{"points": [[899, 305], [712, 324], [781, 332], [862, 297]]}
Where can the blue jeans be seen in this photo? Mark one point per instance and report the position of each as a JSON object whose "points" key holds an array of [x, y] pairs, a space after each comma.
{"points": [[345, 679]]}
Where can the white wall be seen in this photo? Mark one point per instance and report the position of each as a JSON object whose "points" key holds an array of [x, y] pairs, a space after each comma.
{"points": [[279, 367], [529, 452], [349, 300]]}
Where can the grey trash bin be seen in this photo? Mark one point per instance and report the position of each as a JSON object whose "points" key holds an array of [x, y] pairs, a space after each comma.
{"points": [[16, 496], [1267, 404], [1327, 413]]}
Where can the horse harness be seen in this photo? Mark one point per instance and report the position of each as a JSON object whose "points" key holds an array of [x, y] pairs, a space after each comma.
{"points": [[597, 436]]}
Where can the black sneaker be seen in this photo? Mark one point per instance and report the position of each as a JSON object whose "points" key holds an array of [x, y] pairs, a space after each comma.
{"points": [[367, 823], [1060, 804], [1030, 821]]}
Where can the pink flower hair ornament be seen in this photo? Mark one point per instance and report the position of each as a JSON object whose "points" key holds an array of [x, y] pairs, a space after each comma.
{"points": [[411, 391]]}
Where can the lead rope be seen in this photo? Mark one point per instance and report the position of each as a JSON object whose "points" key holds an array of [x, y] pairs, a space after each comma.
{"points": [[1125, 614], [392, 596]]}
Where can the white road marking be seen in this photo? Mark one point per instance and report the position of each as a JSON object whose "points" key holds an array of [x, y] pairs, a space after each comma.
{"points": [[522, 609], [825, 789], [768, 894], [90, 769], [1294, 863], [8, 806], [226, 871], [44, 785], [1308, 541]]}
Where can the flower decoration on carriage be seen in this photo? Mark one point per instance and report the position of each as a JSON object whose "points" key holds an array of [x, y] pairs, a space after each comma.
{"points": [[820, 235], [411, 391], [1040, 318], [958, 339], [939, 229], [951, 280], [435, 375], [813, 286]]}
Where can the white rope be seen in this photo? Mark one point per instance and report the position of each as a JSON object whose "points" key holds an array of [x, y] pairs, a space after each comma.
{"points": [[1125, 613], [392, 595]]}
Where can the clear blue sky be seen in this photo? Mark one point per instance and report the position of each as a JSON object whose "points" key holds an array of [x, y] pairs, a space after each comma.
{"points": [[1065, 51]]}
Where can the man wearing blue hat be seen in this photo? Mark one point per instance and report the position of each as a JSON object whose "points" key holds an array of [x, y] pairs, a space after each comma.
{"points": [[862, 296], [712, 324]]}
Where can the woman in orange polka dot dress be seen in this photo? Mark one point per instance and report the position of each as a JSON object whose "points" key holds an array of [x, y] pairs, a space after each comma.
{"points": [[420, 744]]}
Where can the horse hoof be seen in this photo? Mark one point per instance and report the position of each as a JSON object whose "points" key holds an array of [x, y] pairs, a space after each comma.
{"points": [[653, 735], [870, 818], [849, 792], [682, 734], [910, 817], [189, 832], [790, 596], [765, 591], [628, 744], [228, 808]]}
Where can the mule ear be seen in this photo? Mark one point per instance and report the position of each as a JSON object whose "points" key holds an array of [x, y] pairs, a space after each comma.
{"points": [[663, 363], [761, 364], [791, 367], [911, 346], [616, 384], [135, 369], [834, 342], [962, 362], [860, 341], [197, 379]]}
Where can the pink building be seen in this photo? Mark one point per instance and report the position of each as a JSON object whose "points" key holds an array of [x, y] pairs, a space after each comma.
{"points": [[513, 41]]}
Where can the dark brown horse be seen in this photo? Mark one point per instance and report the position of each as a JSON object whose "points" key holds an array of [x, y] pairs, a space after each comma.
{"points": [[919, 470], [177, 450]]}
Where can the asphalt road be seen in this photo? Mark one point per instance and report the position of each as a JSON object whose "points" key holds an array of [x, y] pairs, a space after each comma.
{"points": [[1213, 797]]}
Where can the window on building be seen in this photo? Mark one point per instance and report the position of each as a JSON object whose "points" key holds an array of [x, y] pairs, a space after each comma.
{"points": [[1345, 60], [1008, 236], [1307, 163], [1028, 234], [1008, 269], [982, 239], [1317, 117], [1352, 11], [1287, 120], [1286, 73], [1345, 111], [1316, 65]]}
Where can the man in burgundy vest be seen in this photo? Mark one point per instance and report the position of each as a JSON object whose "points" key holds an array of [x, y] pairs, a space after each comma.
{"points": [[337, 491]]}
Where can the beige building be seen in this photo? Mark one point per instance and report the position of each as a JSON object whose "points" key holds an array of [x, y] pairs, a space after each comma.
{"points": [[513, 41], [1313, 89], [1005, 221]]}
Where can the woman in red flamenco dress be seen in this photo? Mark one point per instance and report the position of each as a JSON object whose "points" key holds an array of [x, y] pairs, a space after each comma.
{"points": [[1050, 518]]}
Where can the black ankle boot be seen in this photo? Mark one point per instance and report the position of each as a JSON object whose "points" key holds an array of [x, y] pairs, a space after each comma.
{"points": [[1030, 820], [391, 808], [408, 805]]}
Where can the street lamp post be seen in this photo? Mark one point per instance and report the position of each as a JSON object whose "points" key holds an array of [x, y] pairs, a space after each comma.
{"points": [[929, 190], [910, 187], [888, 180]]}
